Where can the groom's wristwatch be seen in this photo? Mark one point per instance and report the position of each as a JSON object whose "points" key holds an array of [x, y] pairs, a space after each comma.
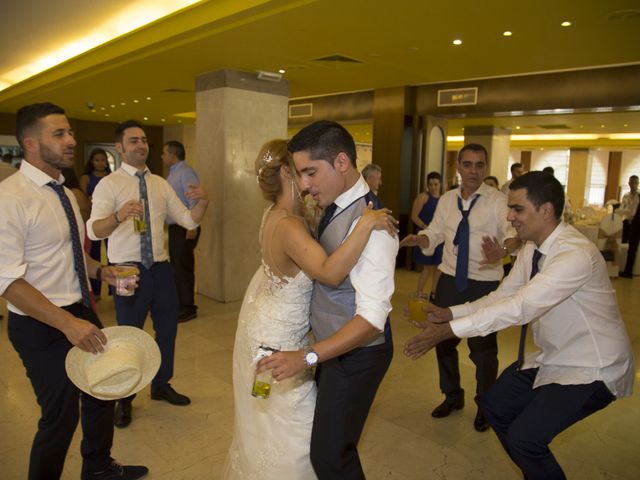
{"points": [[310, 357]]}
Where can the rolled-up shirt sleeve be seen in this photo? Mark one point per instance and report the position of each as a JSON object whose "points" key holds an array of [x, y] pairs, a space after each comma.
{"points": [[373, 278], [103, 204], [12, 264], [177, 210]]}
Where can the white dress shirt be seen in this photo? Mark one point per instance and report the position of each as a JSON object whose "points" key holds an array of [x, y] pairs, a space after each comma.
{"points": [[123, 185], [572, 310], [373, 275], [488, 217], [35, 240], [630, 204]]}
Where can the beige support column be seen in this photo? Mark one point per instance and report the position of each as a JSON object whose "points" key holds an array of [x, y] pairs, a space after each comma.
{"points": [[578, 175], [236, 114], [497, 141]]}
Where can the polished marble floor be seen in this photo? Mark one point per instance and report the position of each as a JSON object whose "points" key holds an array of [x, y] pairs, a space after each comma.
{"points": [[401, 440]]}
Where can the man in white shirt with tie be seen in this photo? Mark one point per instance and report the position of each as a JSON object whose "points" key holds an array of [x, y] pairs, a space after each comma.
{"points": [[130, 192], [472, 222], [44, 278], [560, 286]]}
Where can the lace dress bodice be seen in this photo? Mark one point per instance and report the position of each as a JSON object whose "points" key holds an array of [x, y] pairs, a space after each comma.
{"points": [[281, 310]]}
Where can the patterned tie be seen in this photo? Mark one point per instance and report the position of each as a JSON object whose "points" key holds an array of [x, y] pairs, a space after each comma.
{"points": [[146, 246], [461, 240], [78, 253], [523, 331], [326, 218]]}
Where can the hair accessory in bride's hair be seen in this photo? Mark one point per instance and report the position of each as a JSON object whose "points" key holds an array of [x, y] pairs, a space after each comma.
{"points": [[266, 159]]}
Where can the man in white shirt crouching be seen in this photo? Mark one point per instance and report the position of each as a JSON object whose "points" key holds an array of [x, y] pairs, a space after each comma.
{"points": [[559, 285]]}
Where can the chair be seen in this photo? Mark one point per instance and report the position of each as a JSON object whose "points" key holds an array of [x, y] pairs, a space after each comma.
{"points": [[610, 242]]}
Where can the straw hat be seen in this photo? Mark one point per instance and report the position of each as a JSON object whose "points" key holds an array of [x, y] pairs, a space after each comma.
{"points": [[131, 358]]}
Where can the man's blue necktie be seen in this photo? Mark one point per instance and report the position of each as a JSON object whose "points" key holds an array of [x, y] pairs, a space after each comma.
{"points": [[76, 246], [146, 245], [326, 218], [461, 240], [523, 331]]}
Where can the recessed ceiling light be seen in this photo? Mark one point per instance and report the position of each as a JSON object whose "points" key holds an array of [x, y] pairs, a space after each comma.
{"points": [[106, 114], [517, 127], [457, 41], [162, 120], [101, 108], [122, 103], [507, 33], [626, 125], [282, 70], [601, 126], [581, 126], [179, 121], [148, 98], [566, 24], [113, 106], [136, 101]]}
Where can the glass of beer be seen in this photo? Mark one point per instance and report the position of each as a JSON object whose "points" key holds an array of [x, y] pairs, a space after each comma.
{"points": [[417, 302], [126, 279], [139, 221], [262, 380]]}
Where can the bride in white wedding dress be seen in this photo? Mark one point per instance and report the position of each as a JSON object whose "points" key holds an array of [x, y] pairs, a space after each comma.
{"points": [[272, 436]]}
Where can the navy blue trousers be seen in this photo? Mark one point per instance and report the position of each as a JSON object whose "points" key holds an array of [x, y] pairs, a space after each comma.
{"points": [[526, 420], [347, 386], [156, 294], [43, 350]]}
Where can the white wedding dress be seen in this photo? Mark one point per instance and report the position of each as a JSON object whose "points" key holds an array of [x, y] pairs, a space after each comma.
{"points": [[272, 436]]}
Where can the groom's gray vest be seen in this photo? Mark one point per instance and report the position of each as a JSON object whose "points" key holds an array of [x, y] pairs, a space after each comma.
{"points": [[332, 307]]}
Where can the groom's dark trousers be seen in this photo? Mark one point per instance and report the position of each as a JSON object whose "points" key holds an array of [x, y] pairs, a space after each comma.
{"points": [[347, 386]]}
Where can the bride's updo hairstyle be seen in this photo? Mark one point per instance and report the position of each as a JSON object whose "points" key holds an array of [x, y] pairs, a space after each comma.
{"points": [[272, 156]]}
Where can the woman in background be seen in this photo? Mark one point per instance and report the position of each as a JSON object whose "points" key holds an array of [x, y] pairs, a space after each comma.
{"points": [[492, 182], [96, 169], [72, 183], [424, 206]]}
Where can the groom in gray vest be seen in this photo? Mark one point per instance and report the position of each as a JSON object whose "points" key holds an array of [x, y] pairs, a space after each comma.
{"points": [[353, 346]]}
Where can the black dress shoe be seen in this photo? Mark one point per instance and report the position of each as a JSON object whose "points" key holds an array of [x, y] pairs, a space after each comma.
{"points": [[445, 408], [480, 423], [122, 416], [170, 395], [625, 275], [186, 316], [115, 471]]}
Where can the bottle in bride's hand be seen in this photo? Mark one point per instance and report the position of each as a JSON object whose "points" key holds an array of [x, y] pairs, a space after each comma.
{"points": [[262, 380]]}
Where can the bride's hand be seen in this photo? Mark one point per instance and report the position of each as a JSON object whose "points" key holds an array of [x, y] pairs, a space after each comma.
{"points": [[380, 219], [283, 364]]}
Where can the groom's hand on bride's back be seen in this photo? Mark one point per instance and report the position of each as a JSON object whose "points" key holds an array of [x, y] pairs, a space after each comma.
{"points": [[283, 364]]}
